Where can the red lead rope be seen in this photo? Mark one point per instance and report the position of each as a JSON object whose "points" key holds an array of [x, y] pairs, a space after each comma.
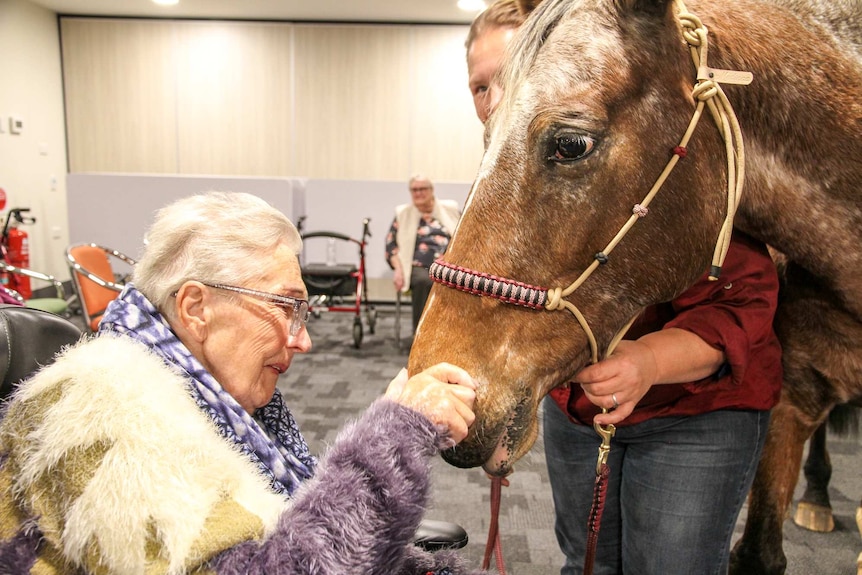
{"points": [[494, 529], [600, 492]]}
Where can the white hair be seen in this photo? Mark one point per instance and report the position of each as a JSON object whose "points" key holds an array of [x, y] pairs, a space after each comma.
{"points": [[219, 237]]}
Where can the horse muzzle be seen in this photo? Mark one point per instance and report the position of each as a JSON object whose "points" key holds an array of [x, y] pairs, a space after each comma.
{"points": [[496, 446]]}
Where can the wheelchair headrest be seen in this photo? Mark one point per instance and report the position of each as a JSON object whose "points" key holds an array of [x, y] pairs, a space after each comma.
{"points": [[29, 339]]}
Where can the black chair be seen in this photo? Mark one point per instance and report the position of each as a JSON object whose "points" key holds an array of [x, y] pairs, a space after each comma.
{"points": [[29, 339]]}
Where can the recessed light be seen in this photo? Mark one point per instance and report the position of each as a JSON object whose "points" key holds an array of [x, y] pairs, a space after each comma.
{"points": [[166, 2], [471, 5]]}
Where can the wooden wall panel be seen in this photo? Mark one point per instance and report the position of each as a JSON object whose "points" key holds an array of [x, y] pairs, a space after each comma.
{"points": [[353, 89], [120, 95], [334, 101], [446, 135], [234, 92]]}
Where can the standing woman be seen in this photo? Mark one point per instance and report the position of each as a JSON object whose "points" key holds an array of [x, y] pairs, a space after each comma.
{"points": [[419, 234]]}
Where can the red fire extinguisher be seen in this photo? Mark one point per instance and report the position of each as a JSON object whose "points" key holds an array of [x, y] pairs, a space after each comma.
{"points": [[16, 243]]}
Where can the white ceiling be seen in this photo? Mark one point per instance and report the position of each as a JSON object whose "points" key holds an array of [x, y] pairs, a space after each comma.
{"points": [[404, 11]]}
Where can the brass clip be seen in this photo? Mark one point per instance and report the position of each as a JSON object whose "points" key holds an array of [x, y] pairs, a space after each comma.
{"points": [[606, 433]]}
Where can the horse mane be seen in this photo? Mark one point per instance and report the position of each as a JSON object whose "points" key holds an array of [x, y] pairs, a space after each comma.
{"points": [[526, 45]]}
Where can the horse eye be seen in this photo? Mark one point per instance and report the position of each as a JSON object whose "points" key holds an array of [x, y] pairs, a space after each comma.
{"points": [[570, 148]]}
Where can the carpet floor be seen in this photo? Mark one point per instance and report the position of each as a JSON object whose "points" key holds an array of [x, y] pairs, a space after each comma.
{"points": [[337, 381]]}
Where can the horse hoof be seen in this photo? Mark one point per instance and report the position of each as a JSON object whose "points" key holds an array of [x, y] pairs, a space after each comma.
{"points": [[814, 517]]}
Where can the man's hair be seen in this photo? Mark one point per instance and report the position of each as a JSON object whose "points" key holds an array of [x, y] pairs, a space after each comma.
{"points": [[500, 14]]}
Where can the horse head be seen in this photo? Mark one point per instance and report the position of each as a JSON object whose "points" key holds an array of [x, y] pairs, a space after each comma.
{"points": [[597, 96]]}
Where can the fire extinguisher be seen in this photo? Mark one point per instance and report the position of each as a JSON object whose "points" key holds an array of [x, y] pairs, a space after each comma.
{"points": [[17, 250]]}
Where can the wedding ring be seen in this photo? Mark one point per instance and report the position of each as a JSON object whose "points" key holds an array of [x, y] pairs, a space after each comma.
{"points": [[614, 399]]}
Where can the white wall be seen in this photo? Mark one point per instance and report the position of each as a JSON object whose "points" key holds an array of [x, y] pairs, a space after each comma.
{"points": [[33, 163]]}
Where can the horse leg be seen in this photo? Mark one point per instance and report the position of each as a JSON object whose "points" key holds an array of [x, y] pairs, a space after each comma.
{"points": [[760, 550], [814, 511], [804, 322]]}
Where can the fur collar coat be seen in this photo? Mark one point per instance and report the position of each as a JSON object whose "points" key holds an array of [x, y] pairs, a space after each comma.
{"points": [[107, 466]]}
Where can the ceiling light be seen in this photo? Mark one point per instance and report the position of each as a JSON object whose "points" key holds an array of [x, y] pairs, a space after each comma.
{"points": [[471, 5], [166, 2]]}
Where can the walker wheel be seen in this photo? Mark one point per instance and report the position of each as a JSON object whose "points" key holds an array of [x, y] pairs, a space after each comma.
{"points": [[357, 332], [372, 320]]}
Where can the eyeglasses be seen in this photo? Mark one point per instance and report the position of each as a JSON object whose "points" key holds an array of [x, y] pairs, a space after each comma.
{"points": [[296, 310], [421, 189]]}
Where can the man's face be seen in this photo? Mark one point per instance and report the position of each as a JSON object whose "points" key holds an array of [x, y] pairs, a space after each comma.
{"points": [[483, 60]]}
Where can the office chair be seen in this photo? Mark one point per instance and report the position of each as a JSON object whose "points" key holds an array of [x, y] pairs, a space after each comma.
{"points": [[93, 277], [57, 305], [29, 339]]}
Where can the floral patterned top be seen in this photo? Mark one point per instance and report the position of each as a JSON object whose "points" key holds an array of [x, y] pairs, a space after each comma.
{"points": [[432, 239]]}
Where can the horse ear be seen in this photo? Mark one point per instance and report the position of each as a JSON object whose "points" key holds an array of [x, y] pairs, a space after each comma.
{"points": [[527, 6]]}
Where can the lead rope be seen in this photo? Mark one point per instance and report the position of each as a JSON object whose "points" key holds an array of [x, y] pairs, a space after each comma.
{"points": [[493, 543]]}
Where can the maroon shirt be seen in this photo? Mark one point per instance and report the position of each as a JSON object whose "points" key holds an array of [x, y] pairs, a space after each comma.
{"points": [[733, 314]]}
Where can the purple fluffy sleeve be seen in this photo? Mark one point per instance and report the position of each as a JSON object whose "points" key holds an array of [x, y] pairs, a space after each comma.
{"points": [[359, 513]]}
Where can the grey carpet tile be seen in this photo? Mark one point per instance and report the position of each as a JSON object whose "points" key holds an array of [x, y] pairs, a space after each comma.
{"points": [[337, 381]]}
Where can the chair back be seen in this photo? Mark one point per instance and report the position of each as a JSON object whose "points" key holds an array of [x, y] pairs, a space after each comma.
{"points": [[29, 339], [58, 305], [93, 279], [10, 296]]}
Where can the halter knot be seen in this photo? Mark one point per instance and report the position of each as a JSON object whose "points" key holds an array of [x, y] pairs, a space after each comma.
{"points": [[555, 299], [640, 211], [705, 90], [693, 30]]}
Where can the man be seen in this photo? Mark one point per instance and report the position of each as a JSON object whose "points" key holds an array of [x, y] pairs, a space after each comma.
{"points": [[486, 44], [419, 234]]}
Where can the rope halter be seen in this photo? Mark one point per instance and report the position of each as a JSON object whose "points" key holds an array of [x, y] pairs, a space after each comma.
{"points": [[707, 92]]}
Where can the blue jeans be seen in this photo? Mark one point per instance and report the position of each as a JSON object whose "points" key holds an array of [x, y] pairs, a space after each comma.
{"points": [[675, 490]]}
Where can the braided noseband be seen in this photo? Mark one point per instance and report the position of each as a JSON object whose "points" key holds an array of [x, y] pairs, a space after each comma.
{"points": [[478, 283]]}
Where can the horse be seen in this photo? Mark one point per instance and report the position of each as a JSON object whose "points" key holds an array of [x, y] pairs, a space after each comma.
{"points": [[597, 95]]}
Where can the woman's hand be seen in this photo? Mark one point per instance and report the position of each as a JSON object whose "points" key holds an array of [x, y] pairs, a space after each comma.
{"points": [[670, 355], [443, 393], [620, 381], [398, 279]]}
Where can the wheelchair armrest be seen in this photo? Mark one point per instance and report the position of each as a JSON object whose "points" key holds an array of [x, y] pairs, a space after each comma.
{"points": [[433, 535]]}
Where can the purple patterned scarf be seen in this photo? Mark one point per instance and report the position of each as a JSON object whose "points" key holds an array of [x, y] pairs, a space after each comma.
{"points": [[271, 438]]}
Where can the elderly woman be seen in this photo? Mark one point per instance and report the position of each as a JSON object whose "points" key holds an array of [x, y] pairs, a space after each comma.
{"points": [[162, 445]]}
